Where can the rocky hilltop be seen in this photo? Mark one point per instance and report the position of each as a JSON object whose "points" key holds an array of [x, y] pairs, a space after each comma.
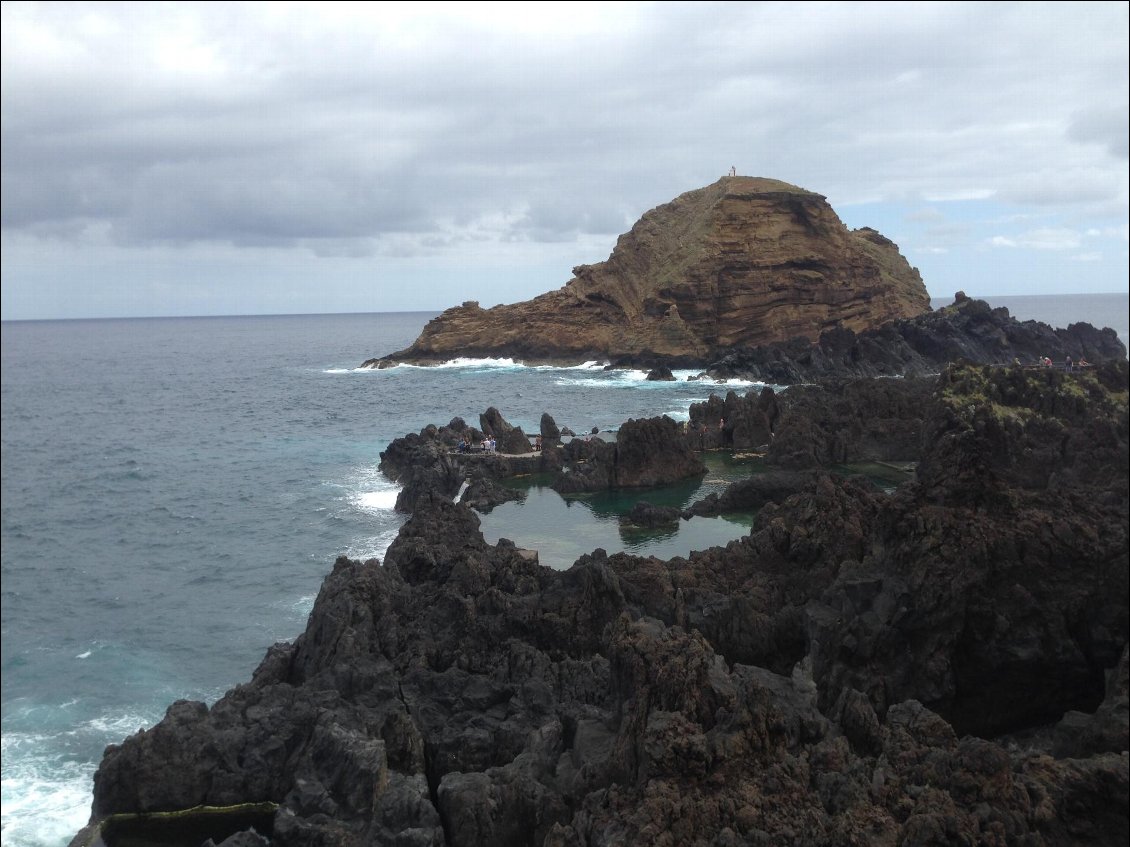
{"points": [[740, 263]]}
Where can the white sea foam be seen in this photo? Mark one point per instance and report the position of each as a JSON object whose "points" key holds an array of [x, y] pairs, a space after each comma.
{"points": [[738, 383], [584, 366], [375, 547], [635, 378], [83, 655], [503, 363], [45, 792], [303, 606], [45, 800], [376, 501], [372, 492], [466, 362], [118, 726]]}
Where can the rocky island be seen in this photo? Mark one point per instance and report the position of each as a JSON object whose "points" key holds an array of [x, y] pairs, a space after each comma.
{"points": [[740, 263], [750, 278]]}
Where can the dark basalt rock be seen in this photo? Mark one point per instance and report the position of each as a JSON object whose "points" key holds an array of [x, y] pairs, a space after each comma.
{"points": [[660, 374], [740, 423], [1080, 734], [550, 434], [483, 494], [750, 494], [836, 677], [646, 453], [862, 420], [967, 331], [429, 463], [510, 439], [645, 515]]}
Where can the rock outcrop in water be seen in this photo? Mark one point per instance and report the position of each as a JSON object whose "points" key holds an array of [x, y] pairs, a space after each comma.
{"points": [[646, 453], [429, 462], [740, 263], [855, 671]]}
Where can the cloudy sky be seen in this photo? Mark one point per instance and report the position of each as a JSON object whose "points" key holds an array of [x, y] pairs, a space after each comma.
{"points": [[221, 158]]}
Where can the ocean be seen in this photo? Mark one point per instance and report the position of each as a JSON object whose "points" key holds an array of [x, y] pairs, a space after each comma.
{"points": [[175, 489]]}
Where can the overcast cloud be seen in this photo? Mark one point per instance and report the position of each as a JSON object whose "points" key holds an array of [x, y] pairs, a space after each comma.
{"points": [[226, 158]]}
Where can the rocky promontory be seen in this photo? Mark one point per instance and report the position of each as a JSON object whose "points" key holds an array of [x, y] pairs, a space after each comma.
{"points": [[946, 664], [744, 262]]}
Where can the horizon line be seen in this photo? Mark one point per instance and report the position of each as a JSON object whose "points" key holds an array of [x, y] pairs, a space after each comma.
{"points": [[438, 311]]}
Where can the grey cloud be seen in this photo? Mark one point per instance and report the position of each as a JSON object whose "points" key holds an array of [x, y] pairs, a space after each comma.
{"points": [[1106, 127], [345, 140]]}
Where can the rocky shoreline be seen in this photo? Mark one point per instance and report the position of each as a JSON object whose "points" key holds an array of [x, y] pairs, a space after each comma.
{"points": [[944, 664], [968, 329]]}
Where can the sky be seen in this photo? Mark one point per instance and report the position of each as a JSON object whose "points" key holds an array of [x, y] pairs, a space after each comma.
{"points": [[282, 158]]}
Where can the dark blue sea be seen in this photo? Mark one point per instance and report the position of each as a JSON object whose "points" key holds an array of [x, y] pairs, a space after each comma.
{"points": [[174, 491]]}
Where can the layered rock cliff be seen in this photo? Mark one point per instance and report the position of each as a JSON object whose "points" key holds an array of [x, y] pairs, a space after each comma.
{"points": [[740, 263]]}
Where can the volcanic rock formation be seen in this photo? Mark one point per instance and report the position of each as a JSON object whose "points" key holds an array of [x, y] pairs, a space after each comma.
{"points": [[740, 263], [854, 671]]}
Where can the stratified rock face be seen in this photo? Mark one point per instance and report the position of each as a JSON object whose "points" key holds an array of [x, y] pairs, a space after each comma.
{"points": [[742, 262]]}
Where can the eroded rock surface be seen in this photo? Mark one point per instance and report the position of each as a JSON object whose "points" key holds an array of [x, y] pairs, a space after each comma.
{"points": [[836, 677], [647, 452]]}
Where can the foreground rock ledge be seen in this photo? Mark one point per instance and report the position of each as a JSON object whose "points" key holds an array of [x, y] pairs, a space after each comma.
{"points": [[837, 677]]}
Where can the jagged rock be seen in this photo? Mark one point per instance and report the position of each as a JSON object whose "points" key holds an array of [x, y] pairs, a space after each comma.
{"points": [[510, 439], [836, 677], [646, 453], [1080, 734], [423, 463], [660, 374], [550, 434], [648, 516], [741, 423], [750, 494], [967, 331], [483, 494], [861, 420], [742, 262]]}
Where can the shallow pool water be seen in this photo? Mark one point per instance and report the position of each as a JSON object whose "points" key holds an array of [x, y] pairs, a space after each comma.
{"points": [[562, 529]]}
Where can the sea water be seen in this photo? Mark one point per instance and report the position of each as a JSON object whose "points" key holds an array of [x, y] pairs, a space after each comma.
{"points": [[175, 490]]}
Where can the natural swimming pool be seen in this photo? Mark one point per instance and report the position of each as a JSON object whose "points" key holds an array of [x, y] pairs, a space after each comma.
{"points": [[562, 529]]}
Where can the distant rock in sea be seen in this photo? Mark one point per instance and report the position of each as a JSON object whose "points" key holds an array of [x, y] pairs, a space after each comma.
{"points": [[740, 263]]}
